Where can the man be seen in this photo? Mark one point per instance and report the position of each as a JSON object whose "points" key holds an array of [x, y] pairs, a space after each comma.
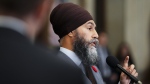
{"points": [[103, 52], [21, 62], [78, 41]]}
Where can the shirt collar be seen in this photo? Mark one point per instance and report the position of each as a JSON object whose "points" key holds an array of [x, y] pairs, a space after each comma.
{"points": [[15, 24], [71, 55]]}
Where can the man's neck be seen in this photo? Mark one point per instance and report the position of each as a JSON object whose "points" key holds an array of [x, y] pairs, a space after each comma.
{"points": [[65, 42]]}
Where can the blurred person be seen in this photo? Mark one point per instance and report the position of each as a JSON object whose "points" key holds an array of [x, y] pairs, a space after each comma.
{"points": [[123, 51], [78, 40], [21, 62], [103, 38], [107, 73], [103, 53], [42, 38]]}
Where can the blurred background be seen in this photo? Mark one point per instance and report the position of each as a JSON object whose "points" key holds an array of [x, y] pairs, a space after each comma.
{"points": [[125, 22]]}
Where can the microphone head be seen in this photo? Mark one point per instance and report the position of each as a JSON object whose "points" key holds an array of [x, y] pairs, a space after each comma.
{"points": [[112, 61]]}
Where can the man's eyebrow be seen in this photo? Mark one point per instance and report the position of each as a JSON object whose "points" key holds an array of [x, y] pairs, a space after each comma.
{"points": [[91, 23]]}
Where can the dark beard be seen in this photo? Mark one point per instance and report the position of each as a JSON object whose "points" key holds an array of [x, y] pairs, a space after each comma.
{"points": [[86, 54]]}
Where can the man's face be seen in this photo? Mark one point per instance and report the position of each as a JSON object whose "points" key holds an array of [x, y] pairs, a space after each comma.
{"points": [[85, 43]]}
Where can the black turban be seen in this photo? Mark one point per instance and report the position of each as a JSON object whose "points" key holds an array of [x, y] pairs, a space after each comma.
{"points": [[67, 17]]}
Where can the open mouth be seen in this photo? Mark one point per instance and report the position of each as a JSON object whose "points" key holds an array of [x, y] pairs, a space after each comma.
{"points": [[93, 44]]}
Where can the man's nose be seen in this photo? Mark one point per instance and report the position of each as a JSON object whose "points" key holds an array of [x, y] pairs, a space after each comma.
{"points": [[95, 35]]}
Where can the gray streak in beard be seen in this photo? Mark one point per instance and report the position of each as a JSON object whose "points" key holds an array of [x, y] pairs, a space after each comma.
{"points": [[87, 54]]}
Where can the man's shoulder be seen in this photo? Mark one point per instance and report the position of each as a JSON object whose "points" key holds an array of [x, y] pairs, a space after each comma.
{"points": [[64, 57]]}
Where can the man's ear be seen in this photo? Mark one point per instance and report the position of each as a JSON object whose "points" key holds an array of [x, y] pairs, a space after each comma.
{"points": [[71, 34]]}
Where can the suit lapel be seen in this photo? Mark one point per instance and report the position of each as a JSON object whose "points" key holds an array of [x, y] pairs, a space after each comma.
{"points": [[66, 59]]}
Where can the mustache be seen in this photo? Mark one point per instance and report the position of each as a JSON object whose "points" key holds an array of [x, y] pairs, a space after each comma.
{"points": [[95, 41]]}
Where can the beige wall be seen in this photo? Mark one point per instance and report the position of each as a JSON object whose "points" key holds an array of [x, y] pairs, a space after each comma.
{"points": [[87, 4], [90, 6], [114, 23], [137, 17], [74, 1]]}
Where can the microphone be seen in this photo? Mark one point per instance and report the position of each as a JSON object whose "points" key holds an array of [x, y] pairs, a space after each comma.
{"points": [[114, 63]]}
